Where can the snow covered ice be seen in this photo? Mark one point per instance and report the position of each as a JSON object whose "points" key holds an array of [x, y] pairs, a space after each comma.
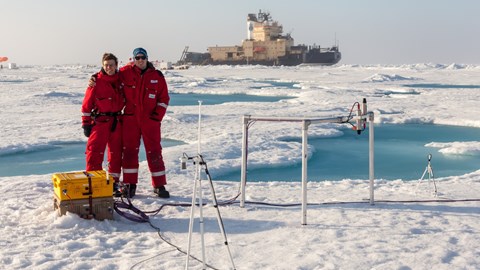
{"points": [[407, 228]]}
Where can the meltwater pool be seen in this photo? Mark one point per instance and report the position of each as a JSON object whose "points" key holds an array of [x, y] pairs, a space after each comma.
{"points": [[400, 153], [55, 157]]}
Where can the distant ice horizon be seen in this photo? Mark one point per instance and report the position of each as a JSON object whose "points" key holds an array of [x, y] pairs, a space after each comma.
{"points": [[156, 63]]}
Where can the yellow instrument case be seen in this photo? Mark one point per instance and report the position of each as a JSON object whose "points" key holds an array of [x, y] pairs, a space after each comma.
{"points": [[82, 185]]}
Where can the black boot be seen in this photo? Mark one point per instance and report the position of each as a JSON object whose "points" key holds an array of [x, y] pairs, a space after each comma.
{"points": [[161, 192], [131, 189]]}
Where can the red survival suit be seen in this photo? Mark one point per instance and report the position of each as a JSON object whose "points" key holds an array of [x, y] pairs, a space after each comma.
{"points": [[102, 108], [147, 98]]}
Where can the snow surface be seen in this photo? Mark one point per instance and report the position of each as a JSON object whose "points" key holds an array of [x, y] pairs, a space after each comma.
{"points": [[407, 228]]}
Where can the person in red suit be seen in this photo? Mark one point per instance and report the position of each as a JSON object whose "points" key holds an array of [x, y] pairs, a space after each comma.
{"points": [[101, 112], [147, 99]]}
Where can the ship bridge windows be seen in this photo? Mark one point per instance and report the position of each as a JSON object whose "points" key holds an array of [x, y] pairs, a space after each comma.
{"points": [[259, 49]]}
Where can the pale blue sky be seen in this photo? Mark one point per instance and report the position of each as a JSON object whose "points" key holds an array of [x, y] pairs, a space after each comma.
{"points": [[369, 31]]}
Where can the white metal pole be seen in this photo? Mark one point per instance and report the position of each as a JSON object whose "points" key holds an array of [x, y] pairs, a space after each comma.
{"points": [[304, 170], [371, 159], [198, 178], [200, 206], [199, 126], [107, 174], [199, 173], [243, 179]]}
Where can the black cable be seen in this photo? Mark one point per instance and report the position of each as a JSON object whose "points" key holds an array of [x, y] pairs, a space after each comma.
{"points": [[159, 231], [130, 206], [147, 259], [234, 201], [363, 202], [349, 117], [444, 200], [177, 247]]}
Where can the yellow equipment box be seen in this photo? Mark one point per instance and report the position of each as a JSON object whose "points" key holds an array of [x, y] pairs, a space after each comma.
{"points": [[82, 185], [97, 208]]}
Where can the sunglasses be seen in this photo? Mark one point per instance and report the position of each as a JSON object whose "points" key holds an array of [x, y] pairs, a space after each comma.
{"points": [[140, 57]]}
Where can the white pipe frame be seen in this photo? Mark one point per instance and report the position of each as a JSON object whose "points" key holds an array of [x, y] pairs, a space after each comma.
{"points": [[306, 122]]}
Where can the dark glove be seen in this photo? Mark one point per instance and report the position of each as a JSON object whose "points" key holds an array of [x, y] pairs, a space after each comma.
{"points": [[87, 129], [93, 80], [154, 116]]}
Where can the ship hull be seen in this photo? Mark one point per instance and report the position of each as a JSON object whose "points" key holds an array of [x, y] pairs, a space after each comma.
{"points": [[309, 58], [323, 58]]}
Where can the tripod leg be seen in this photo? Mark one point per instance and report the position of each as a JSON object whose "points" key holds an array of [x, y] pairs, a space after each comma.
{"points": [[192, 218], [423, 175], [421, 178], [220, 221], [196, 188], [433, 180]]}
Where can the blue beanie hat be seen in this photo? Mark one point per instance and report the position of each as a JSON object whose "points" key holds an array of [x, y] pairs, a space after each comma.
{"points": [[140, 51]]}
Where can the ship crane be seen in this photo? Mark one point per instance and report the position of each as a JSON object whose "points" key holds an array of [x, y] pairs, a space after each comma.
{"points": [[184, 55]]}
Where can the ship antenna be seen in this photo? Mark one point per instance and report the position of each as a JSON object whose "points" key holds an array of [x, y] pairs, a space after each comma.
{"points": [[264, 16]]}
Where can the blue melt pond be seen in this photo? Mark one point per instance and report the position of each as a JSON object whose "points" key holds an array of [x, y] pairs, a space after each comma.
{"points": [[442, 86], [58, 157], [191, 99], [400, 153]]}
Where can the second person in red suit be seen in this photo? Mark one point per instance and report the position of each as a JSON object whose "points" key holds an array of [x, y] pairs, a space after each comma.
{"points": [[147, 99]]}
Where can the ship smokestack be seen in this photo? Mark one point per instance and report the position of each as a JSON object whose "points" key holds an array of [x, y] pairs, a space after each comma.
{"points": [[250, 19]]}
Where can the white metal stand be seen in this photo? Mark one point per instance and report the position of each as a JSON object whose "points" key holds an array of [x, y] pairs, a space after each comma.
{"points": [[362, 116], [429, 170], [197, 188]]}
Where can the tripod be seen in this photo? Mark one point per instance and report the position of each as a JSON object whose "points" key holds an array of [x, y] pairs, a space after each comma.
{"points": [[197, 188], [429, 170]]}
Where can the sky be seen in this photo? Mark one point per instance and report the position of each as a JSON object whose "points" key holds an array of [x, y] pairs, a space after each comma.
{"points": [[368, 32]]}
